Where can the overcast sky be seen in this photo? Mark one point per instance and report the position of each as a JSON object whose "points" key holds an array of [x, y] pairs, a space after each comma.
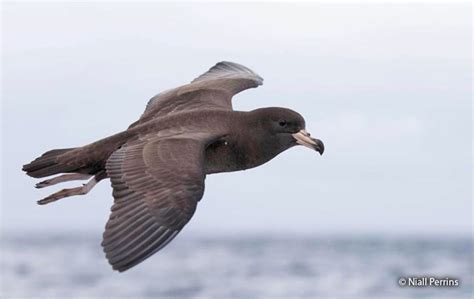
{"points": [[386, 87]]}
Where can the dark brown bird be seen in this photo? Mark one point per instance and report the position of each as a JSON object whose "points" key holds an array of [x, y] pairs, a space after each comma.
{"points": [[158, 165]]}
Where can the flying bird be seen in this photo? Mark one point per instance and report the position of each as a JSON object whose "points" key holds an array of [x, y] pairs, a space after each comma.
{"points": [[157, 166]]}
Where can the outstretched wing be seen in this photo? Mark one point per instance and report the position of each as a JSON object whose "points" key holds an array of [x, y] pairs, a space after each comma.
{"points": [[212, 90], [157, 184]]}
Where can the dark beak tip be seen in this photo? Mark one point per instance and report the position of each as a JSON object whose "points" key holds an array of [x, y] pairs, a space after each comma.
{"points": [[319, 147]]}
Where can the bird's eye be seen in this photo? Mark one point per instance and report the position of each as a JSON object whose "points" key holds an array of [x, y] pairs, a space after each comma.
{"points": [[282, 123]]}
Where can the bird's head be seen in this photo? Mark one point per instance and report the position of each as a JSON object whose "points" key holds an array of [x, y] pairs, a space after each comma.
{"points": [[286, 128]]}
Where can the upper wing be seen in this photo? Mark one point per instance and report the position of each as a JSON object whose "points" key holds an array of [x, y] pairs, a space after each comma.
{"points": [[212, 90], [156, 185]]}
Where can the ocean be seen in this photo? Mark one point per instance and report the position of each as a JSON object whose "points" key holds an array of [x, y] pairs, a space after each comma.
{"points": [[249, 267]]}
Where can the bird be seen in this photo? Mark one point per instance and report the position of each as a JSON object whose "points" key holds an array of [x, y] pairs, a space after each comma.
{"points": [[158, 165]]}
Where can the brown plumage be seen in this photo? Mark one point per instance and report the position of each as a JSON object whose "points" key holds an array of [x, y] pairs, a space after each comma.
{"points": [[158, 165]]}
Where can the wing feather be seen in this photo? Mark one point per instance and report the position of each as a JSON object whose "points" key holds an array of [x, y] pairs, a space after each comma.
{"points": [[157, 184], [212, 90]]}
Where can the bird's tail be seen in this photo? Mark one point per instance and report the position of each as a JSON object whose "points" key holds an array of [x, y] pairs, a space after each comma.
{"points": [[48, 164]]}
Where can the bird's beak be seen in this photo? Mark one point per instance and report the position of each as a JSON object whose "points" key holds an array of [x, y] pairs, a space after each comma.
{"points": [[303, 138]]}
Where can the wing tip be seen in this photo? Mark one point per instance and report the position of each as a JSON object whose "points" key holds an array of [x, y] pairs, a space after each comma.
{"points": [[134, 258], [229, 67]]}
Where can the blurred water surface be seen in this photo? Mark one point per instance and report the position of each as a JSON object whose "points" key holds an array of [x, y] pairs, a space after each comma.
{"points": [[73, 266]]}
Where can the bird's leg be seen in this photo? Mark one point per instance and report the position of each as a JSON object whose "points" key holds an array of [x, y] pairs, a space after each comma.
{"points": [[63, 178], [84, 189]]}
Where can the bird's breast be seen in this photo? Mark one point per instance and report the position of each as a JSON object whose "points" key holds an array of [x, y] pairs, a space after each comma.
{"points": [[229, 155], [224, 156]]}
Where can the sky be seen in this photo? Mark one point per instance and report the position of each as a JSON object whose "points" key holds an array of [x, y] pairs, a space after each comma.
{"points": [[386, 87]]}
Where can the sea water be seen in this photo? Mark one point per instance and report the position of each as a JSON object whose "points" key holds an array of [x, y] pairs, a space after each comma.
{"points": [[74, 266]]}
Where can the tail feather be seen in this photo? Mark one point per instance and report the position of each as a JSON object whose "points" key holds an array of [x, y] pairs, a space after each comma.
{"points": [[48, 164]]}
